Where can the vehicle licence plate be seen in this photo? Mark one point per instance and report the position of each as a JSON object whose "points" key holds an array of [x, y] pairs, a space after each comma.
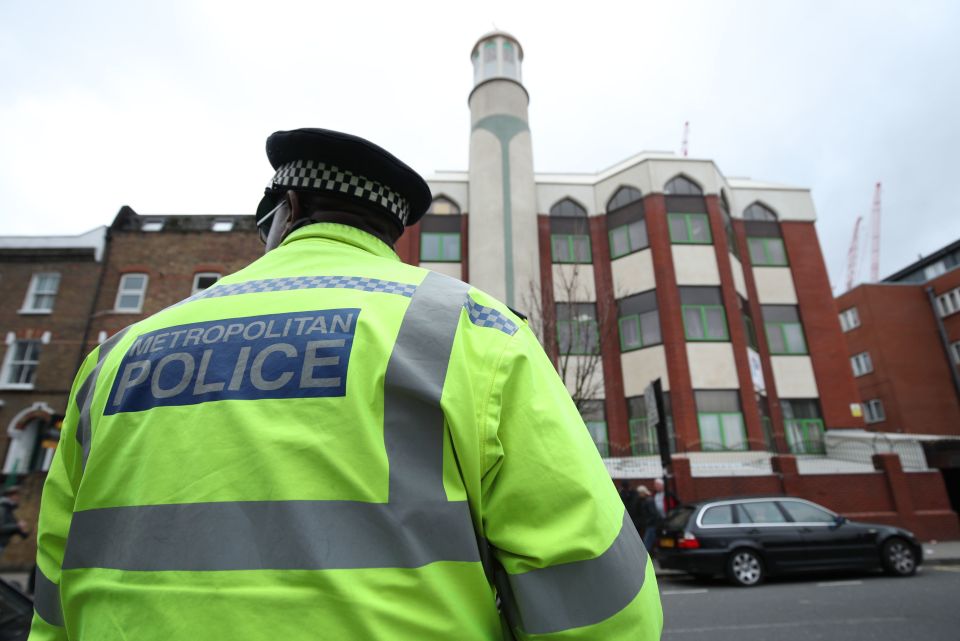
{"points": [[666, 543]]}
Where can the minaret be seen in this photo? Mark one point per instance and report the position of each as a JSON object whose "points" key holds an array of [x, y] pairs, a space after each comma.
{"points": [[503, 205]]}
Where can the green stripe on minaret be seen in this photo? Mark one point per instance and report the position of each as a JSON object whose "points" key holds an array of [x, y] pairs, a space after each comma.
{"points": [[505, 127]]}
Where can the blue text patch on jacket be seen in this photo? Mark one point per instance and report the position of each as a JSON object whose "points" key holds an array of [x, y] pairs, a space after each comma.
{"points": [[295, 355]]}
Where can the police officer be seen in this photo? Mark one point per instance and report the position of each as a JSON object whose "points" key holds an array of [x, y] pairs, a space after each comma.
{"points": [[331, 444]]}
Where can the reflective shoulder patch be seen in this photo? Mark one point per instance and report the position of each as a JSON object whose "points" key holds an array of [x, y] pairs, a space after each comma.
{"points": [[291, 355], [308, 282], [489, 317]]}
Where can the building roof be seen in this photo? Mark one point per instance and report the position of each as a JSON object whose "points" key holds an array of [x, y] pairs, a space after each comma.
{"points": [[949, 250], [92, 240], [128, 220]]}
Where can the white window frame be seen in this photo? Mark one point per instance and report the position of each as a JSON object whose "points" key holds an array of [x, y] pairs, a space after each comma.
{"points": [[28, 301], [933, 270], [861, 363], [121, 291], [222, 225], [948, 303], [196, 280], [873, 411], [849, 319], [8, 363]]}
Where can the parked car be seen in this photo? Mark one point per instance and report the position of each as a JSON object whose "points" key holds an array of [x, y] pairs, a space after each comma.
{"points": [[748, 539]]}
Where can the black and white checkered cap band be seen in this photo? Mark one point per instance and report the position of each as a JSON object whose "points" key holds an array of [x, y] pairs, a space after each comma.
{"points": [[313, 175]]}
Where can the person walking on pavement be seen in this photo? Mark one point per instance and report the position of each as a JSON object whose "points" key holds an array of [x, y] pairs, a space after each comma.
{"points": [[10, 525], [647, 519], [333, 444], [663, 499]]}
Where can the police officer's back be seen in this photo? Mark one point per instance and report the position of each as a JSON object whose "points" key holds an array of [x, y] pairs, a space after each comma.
{"points": [[331, 444]]}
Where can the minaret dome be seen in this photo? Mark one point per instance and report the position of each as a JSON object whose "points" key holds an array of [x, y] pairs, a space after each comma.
{"points": [[497, 55]]}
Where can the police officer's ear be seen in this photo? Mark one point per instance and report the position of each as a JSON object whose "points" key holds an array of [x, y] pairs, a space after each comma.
{"points": [[296, 207]]}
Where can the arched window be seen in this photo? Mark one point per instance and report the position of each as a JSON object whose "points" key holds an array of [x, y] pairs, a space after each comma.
{"points": [[764, 239], [757, 211], [626, 225], [569, 233], [623, 197], [567, 208], [682, 186], [440, 232], [443, 206]]}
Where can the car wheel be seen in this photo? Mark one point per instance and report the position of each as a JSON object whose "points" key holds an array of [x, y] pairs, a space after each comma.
{"points": [[745, 568], [898, 557]]}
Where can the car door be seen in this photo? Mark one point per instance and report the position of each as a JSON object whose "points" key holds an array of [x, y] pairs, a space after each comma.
{"points": [[828, 541], [764, 522]]}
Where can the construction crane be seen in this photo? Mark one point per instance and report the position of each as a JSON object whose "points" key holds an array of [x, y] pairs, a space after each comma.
{"points": [[873, 242], [875, 236], [853, 253], [686, 138]]}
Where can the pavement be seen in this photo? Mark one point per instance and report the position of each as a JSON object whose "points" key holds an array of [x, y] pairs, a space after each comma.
{"points": [[934, 553], [853, 607]]}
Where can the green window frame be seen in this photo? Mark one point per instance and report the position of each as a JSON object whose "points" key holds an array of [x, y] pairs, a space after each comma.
{"points": [[633, 236], [789, 335], [567, 243], [687, 237], [597, 430], [643, 438], [805, 435], [728, 442], [762, 255], [435, 248], [705, 333], [582, 334]]}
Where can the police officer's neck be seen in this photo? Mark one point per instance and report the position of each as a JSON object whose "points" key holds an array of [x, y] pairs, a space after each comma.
{"points": [[307, 208], [385, 232]]}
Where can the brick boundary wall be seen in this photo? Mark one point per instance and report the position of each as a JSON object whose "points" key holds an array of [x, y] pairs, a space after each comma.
{"points": [[916, 501]]}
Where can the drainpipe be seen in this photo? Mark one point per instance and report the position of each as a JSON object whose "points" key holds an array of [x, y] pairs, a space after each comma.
{"points": [[93, 303], [945, 342]]}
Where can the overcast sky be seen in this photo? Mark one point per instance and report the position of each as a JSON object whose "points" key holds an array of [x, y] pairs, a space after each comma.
{"points": [[165, 106]]}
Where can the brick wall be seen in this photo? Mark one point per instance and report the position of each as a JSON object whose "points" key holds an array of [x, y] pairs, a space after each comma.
{"points": [[79, 273], [821, 326], [911, 374], [170, 259]]}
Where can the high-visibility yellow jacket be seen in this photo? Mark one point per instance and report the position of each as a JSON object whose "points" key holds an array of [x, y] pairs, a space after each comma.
{"points": [[331, 444]]}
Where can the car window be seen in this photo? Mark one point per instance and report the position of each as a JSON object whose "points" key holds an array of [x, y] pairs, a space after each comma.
{"points": [[678, 518], [718, 515], [761, 512], [805, 513]]}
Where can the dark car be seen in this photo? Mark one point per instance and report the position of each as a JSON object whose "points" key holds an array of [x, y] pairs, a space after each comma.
{"points": [[748, 539]]}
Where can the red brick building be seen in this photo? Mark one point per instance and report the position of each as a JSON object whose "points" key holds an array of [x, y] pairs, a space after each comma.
{"points": [[47, 285], [153, 262], [67, 294], [903, 342]]}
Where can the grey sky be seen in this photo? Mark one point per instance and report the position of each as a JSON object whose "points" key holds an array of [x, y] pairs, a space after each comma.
{"points": [[165, 106]]}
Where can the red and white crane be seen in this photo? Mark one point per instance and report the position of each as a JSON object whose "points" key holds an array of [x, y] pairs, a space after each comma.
{"points": [[875, 236], [873, 242], [852, 254]]}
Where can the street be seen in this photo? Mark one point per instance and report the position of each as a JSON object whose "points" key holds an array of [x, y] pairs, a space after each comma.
{"points": [[854, 607]]}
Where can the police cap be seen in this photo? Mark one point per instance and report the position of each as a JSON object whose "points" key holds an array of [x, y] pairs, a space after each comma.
{"points": [[347, 166]]}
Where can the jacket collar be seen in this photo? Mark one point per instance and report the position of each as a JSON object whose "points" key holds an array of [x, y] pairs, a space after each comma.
{"points": [[343, 234]]}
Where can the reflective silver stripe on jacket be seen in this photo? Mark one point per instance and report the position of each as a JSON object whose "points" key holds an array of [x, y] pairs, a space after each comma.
{"points": [[46, 600], [271, 535], [86, 392], [413, 384], [572, 595]]}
